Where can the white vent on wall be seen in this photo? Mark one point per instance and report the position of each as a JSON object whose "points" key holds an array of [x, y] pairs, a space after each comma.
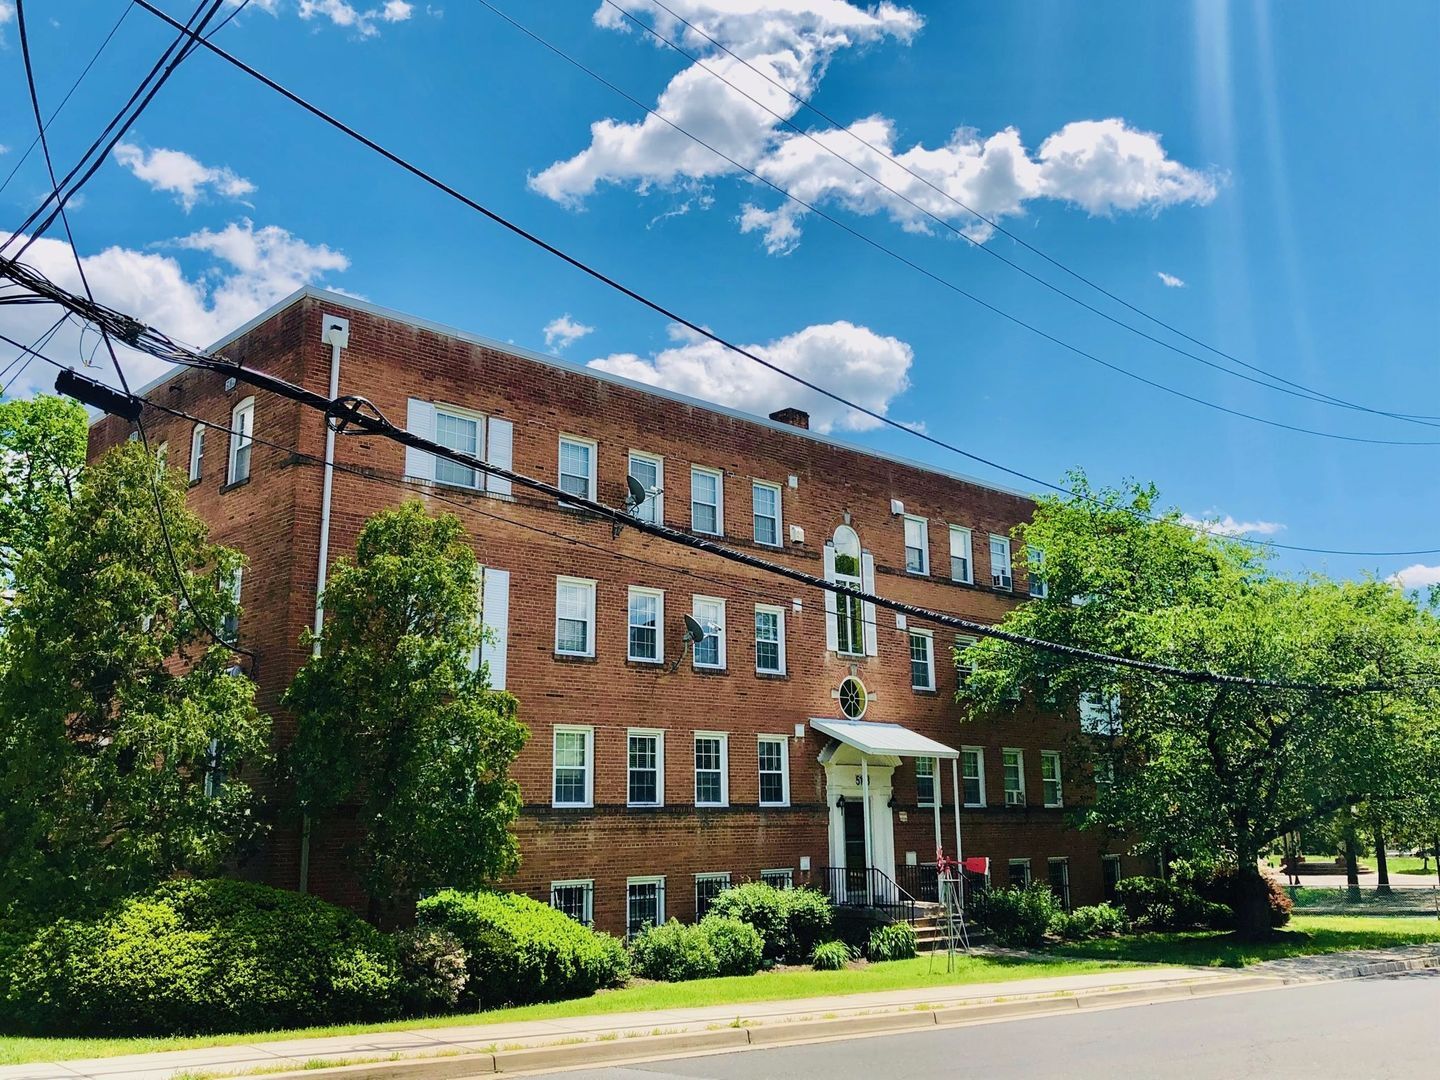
{"points": [[897, 507], [900, 621], [797, 534]]}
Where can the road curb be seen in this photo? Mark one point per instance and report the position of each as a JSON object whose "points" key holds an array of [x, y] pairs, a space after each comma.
{"points": [[1374, 967], [824, 1029]]}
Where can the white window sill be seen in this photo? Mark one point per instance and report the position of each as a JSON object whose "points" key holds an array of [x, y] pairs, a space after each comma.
{"points": [[572, 805]]}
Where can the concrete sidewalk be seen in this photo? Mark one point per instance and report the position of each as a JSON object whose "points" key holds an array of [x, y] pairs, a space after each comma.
{"points": [[285, 1054]]}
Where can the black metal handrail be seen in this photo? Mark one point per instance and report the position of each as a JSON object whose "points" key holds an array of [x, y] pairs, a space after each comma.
{"points": [[867, 887]]}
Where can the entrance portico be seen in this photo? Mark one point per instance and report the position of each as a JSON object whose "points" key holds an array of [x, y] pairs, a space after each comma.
{"points": [[860, 761]]}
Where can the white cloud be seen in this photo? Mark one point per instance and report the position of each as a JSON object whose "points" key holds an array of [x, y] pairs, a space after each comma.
{"points": [[1170, 281], [349, 17], [181, 175], [868, 368], [564, 331], [1418, 576], [1103, 166], [7, 11], [247, 269], [1228, 526]]}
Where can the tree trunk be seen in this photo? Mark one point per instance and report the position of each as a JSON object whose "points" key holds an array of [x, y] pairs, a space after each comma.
{"points": [[1352, 862], [1382, 868], [1436, 848], [1252, 902]]}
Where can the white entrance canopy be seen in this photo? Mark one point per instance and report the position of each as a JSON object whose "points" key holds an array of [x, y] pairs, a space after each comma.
{"points": [[883, 740]]}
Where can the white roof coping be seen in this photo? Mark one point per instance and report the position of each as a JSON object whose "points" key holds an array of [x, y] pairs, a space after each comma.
{"points": [[883, 740]]}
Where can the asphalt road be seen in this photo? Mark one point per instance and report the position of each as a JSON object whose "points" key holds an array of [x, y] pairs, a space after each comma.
{"points": [[1387, 1026]]}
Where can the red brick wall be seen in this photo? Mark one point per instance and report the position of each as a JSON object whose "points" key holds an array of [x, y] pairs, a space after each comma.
{"points": [[274, 519]]}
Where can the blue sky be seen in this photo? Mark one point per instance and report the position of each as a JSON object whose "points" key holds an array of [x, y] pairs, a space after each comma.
{"points": [[1261, 176]]}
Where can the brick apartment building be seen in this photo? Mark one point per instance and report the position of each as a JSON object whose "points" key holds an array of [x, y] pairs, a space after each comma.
{"points": [[808, 732]]}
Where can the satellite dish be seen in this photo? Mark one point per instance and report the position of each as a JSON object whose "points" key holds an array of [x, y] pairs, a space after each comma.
{"points": [[637, 492], [693, 630]]}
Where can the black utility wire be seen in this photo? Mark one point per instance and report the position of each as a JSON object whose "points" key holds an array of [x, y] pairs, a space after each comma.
{"points": [[959, 290], [1308, 393]]}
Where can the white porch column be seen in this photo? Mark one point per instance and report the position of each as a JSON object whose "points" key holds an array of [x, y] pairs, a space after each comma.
{"points": [[865, 795]]}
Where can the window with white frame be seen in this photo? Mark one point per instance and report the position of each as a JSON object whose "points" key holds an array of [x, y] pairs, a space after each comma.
{"points": [[765, 500], [769, 639], [645, 765], [1019, 870], [707, 510], [1050, 790], [961, 557], [646, 640], [917, 545], [1059, 875], [462, 431], [215, 771], [230, 625], [574, 616], [712, 768], [709, 612], [922, 660], [644, 903], [972, 775], [778, 879], [1000, 569], [1100, 714], [707, 887], [773, 752], [197, 451], [925, 770], [574, 898], [963, 664], [849, 610], [649, 471], [242, 440], [1038, 589], [574, 767], [1013, 766], [577, 466]]}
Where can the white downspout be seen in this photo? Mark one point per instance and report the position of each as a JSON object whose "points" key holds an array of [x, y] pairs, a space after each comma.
{"points": [[335, 332]]}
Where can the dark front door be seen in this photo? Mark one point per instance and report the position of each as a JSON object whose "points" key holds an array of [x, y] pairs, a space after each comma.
{"points": [[855, 861]]}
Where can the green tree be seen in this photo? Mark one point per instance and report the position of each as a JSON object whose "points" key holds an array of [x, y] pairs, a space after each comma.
{"points": [[396, 720], [1210, 770], [42, 451], [118, 713]]}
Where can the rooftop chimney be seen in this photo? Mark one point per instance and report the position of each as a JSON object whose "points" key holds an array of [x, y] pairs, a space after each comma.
{"points": [[794, 417]]}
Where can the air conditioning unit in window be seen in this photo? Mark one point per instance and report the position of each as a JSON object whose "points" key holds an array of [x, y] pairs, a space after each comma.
{"points": [[1000, 581], [1014, 798]]}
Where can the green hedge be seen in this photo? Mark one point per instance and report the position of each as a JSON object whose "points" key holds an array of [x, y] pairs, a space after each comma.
{"points": [[789, 921], [1099, 920], [519, 950], [198, 957], [677, 952], [1017, 917]]}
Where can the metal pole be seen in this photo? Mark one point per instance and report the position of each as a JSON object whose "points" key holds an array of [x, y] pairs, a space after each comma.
{"points": [[959, 847]]}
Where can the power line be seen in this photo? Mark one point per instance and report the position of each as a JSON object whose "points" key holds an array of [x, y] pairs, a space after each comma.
{"points": [[947, 282], [1305, 392], [360, 413], [65, 100], [414, 170]]}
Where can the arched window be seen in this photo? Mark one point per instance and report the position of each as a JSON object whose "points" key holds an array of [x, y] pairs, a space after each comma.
{"points": [[197, 451], [846, 614]]}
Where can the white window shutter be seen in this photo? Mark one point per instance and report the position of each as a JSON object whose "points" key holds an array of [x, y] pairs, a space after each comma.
{"points": [[832, 630], [495, 614], [867, 583], [420, 420], [500, 451]]}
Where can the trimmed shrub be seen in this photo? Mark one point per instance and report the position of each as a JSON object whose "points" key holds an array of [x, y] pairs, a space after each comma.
{"points": [[897, 941], [1101, 920], [1018, 917], [831, 956], [1156, 904], [432, 970], [673, 952], [1222, 887], [519, 950], [789, 921], [737, 945], [200, 957]]}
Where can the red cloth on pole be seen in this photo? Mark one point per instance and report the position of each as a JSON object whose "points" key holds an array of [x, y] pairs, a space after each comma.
{"points": [[980, 864]]}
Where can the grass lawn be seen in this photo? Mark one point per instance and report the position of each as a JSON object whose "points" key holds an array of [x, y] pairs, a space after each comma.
{"points": [[1326, 933], [1410, 864], [767, 986]]}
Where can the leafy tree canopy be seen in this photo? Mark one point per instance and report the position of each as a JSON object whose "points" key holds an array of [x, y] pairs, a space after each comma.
{"points": [[1210, 770], [395, 718], [42, 451], [114, 699]]}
